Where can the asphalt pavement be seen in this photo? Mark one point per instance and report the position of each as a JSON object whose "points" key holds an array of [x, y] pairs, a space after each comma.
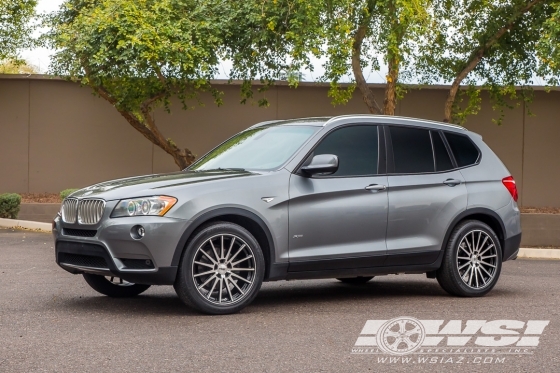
{"points": [[51, 321]]}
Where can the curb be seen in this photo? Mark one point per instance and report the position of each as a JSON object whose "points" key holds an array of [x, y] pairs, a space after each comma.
{"points": [[26, 224], [539, 253]]}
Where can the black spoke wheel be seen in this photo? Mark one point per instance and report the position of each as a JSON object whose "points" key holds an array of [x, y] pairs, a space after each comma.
{"points": [[355, 280], [472, 262], [222, 269], [114, 286]]}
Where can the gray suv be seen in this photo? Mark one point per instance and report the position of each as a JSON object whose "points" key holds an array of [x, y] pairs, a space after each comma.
{"points": [[348, 197]]}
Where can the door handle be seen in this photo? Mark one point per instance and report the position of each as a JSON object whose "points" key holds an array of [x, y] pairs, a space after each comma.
{"points": [[452, 182], [376, 187]]}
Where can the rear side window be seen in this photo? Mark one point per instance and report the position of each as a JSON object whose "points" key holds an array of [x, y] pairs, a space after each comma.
{"points": [[463, 149], [443, 161], [412, 150], [356, 148]]}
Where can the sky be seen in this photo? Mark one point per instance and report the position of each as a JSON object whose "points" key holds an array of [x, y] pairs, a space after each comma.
{"points": [[40, 57]]}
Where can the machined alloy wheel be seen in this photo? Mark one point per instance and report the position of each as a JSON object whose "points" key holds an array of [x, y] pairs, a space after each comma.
{"points": [[477, 259], [221, 270], [472, 261]]}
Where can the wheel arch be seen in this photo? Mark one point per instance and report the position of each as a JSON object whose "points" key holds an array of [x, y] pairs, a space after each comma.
{"points": [[247, 219], [487, 216]]}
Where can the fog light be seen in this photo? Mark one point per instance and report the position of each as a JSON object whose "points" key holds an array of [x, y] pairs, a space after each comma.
{"points": [[137, 232]]}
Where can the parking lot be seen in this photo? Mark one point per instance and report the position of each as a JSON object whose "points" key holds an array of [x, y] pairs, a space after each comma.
{"points": [[51, 321]]}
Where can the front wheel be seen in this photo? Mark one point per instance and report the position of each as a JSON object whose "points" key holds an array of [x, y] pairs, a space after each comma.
{"points": [[222, 269], [113, 286], [472, 262]]}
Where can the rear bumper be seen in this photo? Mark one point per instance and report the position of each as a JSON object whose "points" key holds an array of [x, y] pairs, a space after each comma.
{"points": [[511, 247]]}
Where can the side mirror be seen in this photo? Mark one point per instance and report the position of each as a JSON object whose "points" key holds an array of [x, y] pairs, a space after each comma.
{"points": [[321, 164]]}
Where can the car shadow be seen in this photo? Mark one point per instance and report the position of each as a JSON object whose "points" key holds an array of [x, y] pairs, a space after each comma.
{"points": [[278, 297]]}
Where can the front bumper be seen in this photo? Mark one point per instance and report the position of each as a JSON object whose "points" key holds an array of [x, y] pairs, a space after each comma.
{"points": [[109, 249]]}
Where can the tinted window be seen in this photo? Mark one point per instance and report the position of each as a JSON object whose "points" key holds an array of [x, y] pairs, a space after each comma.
{"points": [[356, 148], [443, 161], [463, 149], [412, 150]]}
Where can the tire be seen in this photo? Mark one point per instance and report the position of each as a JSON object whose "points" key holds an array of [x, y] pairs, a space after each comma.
{"points": [[478, 272], [113, 289], [209, 262], [355, 280]]}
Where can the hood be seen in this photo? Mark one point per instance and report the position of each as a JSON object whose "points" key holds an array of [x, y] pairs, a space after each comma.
{"points": [[151, 185]]}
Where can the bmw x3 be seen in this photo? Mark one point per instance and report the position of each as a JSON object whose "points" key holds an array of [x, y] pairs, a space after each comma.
{"points": [[349, 197]]}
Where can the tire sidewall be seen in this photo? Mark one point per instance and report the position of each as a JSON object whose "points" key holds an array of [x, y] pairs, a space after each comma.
{"points": [[185, 286], [453, 248]]}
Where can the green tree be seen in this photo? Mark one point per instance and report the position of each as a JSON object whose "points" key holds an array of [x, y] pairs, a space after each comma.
{"points": [[138, 54], [549, 47], [16, 26], [483, 44], [351, 34]]}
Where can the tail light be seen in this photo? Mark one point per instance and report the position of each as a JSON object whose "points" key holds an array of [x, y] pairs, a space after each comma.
{"points": [[509, 183]]}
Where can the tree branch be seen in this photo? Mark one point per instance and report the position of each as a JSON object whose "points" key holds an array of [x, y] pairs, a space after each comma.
{"points": [[478, 54]]}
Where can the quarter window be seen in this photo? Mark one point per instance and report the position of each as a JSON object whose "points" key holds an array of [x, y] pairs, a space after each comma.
{"points": [[463, 149], [412, 150], [356, 148]]}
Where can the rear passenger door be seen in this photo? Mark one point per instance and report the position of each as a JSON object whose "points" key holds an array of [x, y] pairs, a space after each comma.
{"points": [[426, 192]]}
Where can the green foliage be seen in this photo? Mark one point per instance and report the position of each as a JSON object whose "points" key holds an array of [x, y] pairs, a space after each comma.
{"points": [[138, 51], [485, 45], [549, 47], [66, 192], [15, 27], [9, 205]]}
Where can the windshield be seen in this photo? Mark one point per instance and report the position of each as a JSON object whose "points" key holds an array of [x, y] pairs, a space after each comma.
{"points": [[264, 148]]}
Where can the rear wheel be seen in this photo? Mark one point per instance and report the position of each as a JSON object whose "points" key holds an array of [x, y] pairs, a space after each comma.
{"points": [[472, 262], [114, 286], [355, 280], [222, 269]]}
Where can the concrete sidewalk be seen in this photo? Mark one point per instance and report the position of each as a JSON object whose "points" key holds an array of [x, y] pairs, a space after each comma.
{"points": [[535, 253]]}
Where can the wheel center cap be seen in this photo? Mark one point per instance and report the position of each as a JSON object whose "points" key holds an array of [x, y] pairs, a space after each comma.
{"points": [[222, 269]]}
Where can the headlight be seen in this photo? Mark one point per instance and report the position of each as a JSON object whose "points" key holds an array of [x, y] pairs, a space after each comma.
{"points": [[147, 206]]}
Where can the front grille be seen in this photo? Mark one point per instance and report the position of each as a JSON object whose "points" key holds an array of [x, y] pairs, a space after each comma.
{"points": [[86, 211], [79, 232], [82, 260], [69, 210], [138, 263], [90, 211]]}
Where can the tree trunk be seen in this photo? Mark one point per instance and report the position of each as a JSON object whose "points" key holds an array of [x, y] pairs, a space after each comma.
{"points": [[390, 101], [182, 157], [367, 94], [477, 56]]}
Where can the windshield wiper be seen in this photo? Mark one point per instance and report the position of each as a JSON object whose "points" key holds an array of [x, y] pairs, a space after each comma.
{"points": [[220, 169]]}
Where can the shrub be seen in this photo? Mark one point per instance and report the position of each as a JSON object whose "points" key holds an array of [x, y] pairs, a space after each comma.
{"points": [[66, 192], [9, 205]]}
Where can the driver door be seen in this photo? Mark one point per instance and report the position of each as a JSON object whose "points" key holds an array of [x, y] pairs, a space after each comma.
{"points": [[340, 220]]}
